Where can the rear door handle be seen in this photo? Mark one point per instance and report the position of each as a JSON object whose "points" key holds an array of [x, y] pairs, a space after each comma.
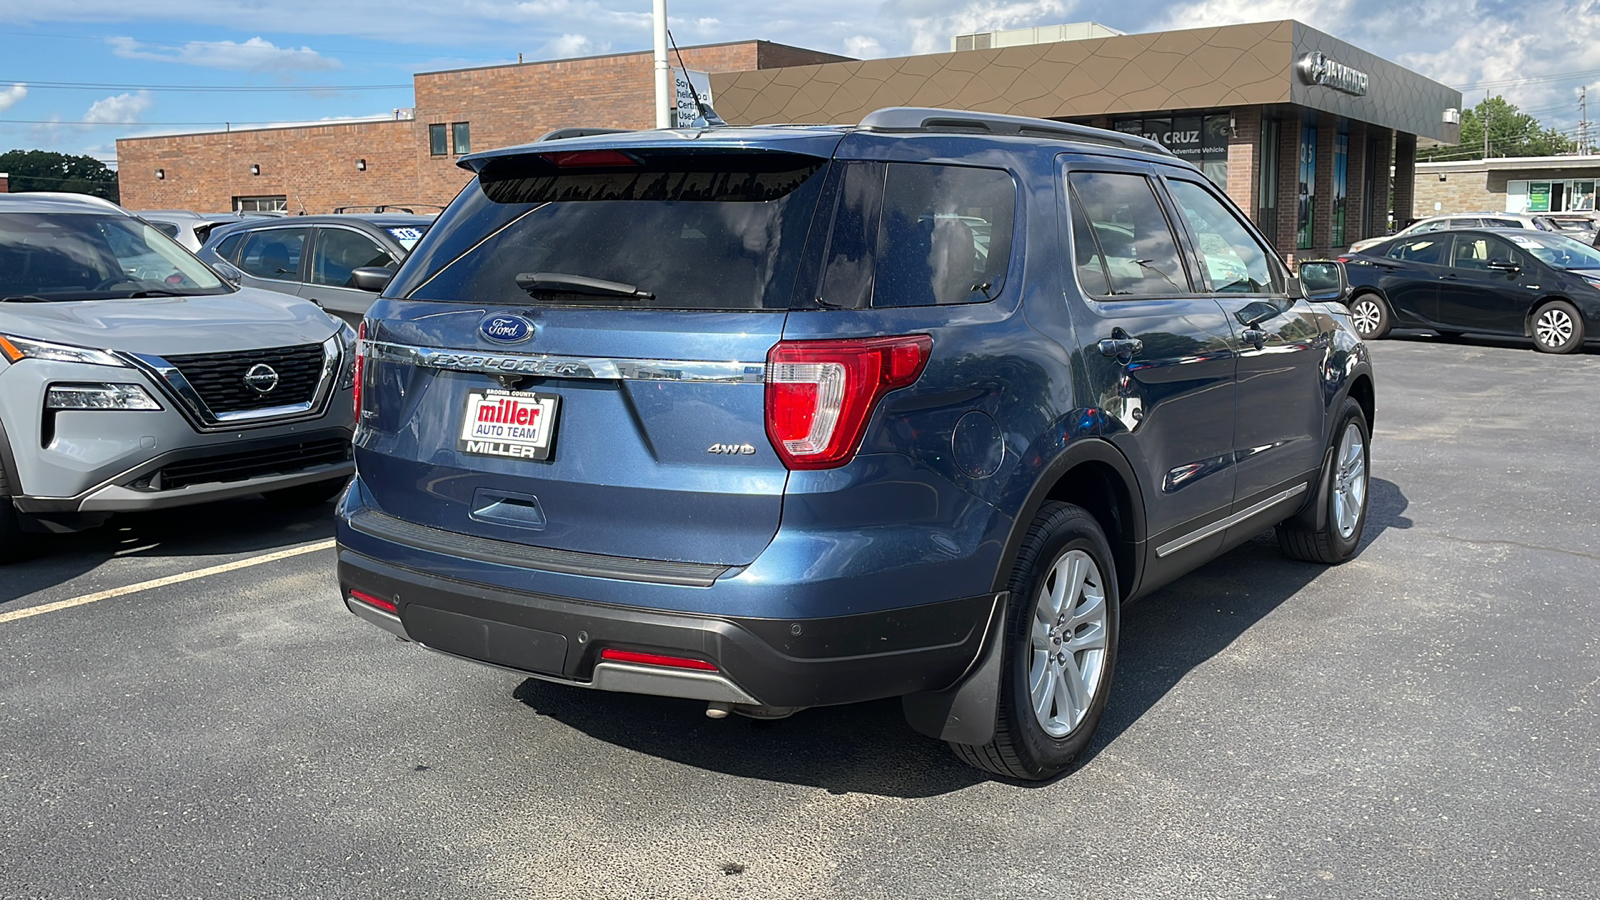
{"points": [[1121, 348], [1254, 337]]}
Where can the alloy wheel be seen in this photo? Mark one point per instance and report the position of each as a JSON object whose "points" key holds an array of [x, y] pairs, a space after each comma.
{"points": [[1350, 481], [1366, 316], [1068, 662], [1554, 328]]}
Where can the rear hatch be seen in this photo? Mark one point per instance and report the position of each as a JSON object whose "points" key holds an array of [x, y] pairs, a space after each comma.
{"points": [[574, 356]]}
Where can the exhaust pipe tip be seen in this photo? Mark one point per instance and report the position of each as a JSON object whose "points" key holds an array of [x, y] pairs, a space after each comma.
{"points": [[717, 710]]}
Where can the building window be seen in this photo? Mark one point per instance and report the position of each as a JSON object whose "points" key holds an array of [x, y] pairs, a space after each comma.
{"points": [[260, 204], [1549, 196], [438, 140], [1304, 239], [1341, 173], [461, 137], [1201, 139]]}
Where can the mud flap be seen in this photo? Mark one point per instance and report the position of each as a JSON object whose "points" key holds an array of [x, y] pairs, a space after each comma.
{"points": [[965, 712], [1310, 516]]}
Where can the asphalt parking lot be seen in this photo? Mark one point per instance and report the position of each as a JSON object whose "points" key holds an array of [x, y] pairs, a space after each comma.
{"points": [[1420, 722]]}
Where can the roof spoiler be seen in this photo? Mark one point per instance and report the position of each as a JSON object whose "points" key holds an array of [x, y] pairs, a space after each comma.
{"points": [[912, 119], [561, 134]]}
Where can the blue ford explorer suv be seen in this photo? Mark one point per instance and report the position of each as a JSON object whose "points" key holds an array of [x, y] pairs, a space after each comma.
{"points": [[780, 417]]}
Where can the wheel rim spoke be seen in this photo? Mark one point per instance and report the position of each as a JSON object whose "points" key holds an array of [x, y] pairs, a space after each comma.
{"points": [[1043, 689], [1072, 695], [1068, 639]]}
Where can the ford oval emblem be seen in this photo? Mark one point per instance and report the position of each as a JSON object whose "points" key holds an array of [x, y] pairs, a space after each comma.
{"points": [[503, 328]]}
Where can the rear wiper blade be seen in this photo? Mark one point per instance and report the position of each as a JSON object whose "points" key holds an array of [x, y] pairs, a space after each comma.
{"points": [[561, 283]]}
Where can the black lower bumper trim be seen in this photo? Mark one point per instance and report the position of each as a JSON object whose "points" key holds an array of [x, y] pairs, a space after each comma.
{"points": [[779, 662]]}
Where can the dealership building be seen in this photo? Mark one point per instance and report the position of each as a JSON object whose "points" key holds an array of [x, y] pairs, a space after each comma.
{"points": [[1303, 130]]}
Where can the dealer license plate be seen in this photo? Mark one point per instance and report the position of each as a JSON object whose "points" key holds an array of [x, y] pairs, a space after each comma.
{"points": [[517, 424]]}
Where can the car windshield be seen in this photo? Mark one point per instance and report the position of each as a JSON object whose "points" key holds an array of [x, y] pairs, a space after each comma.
{"points": [[73, 256], [1558, 250], [407, 235]]}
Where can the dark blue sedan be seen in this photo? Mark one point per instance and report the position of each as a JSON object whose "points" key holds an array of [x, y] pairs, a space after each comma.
{"points": [[1488, 281]]}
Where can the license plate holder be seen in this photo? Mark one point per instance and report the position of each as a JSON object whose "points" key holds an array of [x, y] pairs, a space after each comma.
{"points": [[510, 424]]}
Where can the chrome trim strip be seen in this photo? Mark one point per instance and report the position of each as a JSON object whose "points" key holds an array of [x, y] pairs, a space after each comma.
{"points": [[1172, 547], [176, 387], [546, 365]]}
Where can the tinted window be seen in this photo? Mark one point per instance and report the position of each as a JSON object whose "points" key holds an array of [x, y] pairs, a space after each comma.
{"points": [[944, 236], [229, 246], [1429, 250], [1235, 262], [1464, 223], [338, 252], [1502, 223], [1133, 234], [1476, 252], [273, 253], [166, 228], [707, 230], [1086, 256]]}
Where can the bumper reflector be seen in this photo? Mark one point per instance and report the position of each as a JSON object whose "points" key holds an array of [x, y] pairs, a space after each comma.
{"points": [[378, 602], [656, 659]]}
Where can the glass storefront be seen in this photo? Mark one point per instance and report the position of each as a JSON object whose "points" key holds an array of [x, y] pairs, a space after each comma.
{"points": [[1341, 178], [1199, 138], [1308, 188], [1550, 195]]}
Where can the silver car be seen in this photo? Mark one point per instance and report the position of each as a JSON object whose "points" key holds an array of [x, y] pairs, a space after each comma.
{"points": [[187, 228], [132, 377], [1456, 221]]}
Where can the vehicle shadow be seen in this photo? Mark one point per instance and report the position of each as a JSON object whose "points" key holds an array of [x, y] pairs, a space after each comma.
{"points": [[1424, 336], [241, 525], [867, 748]]}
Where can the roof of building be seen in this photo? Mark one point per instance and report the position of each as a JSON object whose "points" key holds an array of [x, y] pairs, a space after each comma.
{"points": [[1498, 163]]}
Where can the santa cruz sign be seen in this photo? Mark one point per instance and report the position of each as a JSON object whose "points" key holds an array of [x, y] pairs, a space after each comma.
{"points": [[1317, 67]]}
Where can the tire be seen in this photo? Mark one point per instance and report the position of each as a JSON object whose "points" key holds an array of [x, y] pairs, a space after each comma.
{"points": [[15, 544], [314, 494], [1347, 485], [1065, 549], [1557, 327], [1370, 316]]}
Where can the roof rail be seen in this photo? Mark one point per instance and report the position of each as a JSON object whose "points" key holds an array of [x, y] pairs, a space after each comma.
{"points": [[913, 118], [563, 133]]}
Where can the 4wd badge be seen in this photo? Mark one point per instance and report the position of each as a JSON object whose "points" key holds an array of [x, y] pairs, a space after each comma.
{"points": [[732, 449]]}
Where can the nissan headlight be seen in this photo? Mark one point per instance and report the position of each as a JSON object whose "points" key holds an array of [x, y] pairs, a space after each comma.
{"points": [[16, 349], [347, 358], [98, 396]]}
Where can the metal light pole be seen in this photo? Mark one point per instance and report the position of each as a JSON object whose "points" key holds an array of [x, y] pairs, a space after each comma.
{"points": [[666, 97]]}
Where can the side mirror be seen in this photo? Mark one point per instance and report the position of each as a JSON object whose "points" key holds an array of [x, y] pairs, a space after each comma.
{"points": [[1501, 265], [229, 274], [1324, 280], [372, 278]]}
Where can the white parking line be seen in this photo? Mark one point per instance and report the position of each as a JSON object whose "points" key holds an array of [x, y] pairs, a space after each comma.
{"points": [[163, 582]]}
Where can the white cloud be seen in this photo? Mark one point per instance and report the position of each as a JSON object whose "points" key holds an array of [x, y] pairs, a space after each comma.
{"points": [[11, 96], [118, 108], [254, 55], [863, 47], [932, 23], [569, 45]]}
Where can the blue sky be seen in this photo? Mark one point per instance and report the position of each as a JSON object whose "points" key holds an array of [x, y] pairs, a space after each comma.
{"points": [[77, 74]]}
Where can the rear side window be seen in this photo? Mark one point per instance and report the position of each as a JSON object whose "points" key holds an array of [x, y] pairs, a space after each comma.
{"points": [[273, 253], [166, 228], [707, 230], [1131, 232], [1428, 250], [945, 235]]}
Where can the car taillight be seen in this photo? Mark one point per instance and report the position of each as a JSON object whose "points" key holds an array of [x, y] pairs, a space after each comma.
{"points": [[361, 356], [1344, 259], [656, 659], [387, 606], [821, 393]]}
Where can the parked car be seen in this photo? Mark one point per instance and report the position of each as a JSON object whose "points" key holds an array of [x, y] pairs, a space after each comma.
{"points": [[1457, 221], [315, 257], [1578, 225], [751, 419], [133, 378], [1492, 281], [187, 228]]}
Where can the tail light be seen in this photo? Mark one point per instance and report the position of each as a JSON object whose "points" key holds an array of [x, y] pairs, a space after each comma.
{"points": [[821, 393], [1345, 258], [361, 358], [656, 659], [387, 606]]}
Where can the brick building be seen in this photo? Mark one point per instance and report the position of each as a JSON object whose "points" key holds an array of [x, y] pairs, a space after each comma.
{"points": [[412, 158], [1302, 129], [1516, 184]]}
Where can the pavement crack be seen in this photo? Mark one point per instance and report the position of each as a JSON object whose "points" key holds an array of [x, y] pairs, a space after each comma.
{"points": [[1518, 544]]}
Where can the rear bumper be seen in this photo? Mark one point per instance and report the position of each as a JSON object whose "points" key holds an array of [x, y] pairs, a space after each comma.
{"points": [[770, 662]]}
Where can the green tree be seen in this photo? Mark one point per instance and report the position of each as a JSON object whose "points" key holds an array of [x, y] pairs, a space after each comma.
{"points": [[1512, 132], [41, 170]]}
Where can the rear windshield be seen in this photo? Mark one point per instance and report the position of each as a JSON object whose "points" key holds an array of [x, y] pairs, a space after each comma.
{"points": [[708, 230]]}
